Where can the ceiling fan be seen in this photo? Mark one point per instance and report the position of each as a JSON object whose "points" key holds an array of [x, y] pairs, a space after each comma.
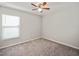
{"points": [[40, 6]]}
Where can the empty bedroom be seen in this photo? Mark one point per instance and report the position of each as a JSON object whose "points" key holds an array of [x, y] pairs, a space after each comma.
{"points": [[39, 28]]}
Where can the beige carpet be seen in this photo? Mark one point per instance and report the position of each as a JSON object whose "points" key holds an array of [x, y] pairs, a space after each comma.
{"points": [[40, 47]]}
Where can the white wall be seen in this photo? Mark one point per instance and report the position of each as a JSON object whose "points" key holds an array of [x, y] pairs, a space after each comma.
{"points": [[62, 25], [30, 26]]}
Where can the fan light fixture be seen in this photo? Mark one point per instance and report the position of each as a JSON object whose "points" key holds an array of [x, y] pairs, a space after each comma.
{"points": [[39, 9], [40, 6]]}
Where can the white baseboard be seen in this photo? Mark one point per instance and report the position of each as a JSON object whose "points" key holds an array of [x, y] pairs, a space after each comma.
{"points": [[18, 43], [51, 39]]}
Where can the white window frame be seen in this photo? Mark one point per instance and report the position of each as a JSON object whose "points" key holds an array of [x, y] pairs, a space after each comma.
{"points": [[10, 27]]}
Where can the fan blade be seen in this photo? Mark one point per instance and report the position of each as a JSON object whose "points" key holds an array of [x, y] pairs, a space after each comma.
{"points": [[46, 8], [33, 4], [34, 9], [44, 3]]}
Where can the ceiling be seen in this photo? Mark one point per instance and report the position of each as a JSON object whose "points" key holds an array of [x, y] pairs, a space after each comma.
{"points": [[26, 6]]}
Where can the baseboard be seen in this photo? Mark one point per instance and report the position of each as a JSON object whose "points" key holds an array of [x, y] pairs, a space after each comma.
{"points": [[51, 39], [18, 43], [40, 38]]}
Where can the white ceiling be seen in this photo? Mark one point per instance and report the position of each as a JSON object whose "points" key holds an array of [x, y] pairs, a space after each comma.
{"points": [[26, 6]]}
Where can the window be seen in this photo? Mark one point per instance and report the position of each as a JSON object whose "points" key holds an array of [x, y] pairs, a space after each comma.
{"points": [[10, 26]]}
